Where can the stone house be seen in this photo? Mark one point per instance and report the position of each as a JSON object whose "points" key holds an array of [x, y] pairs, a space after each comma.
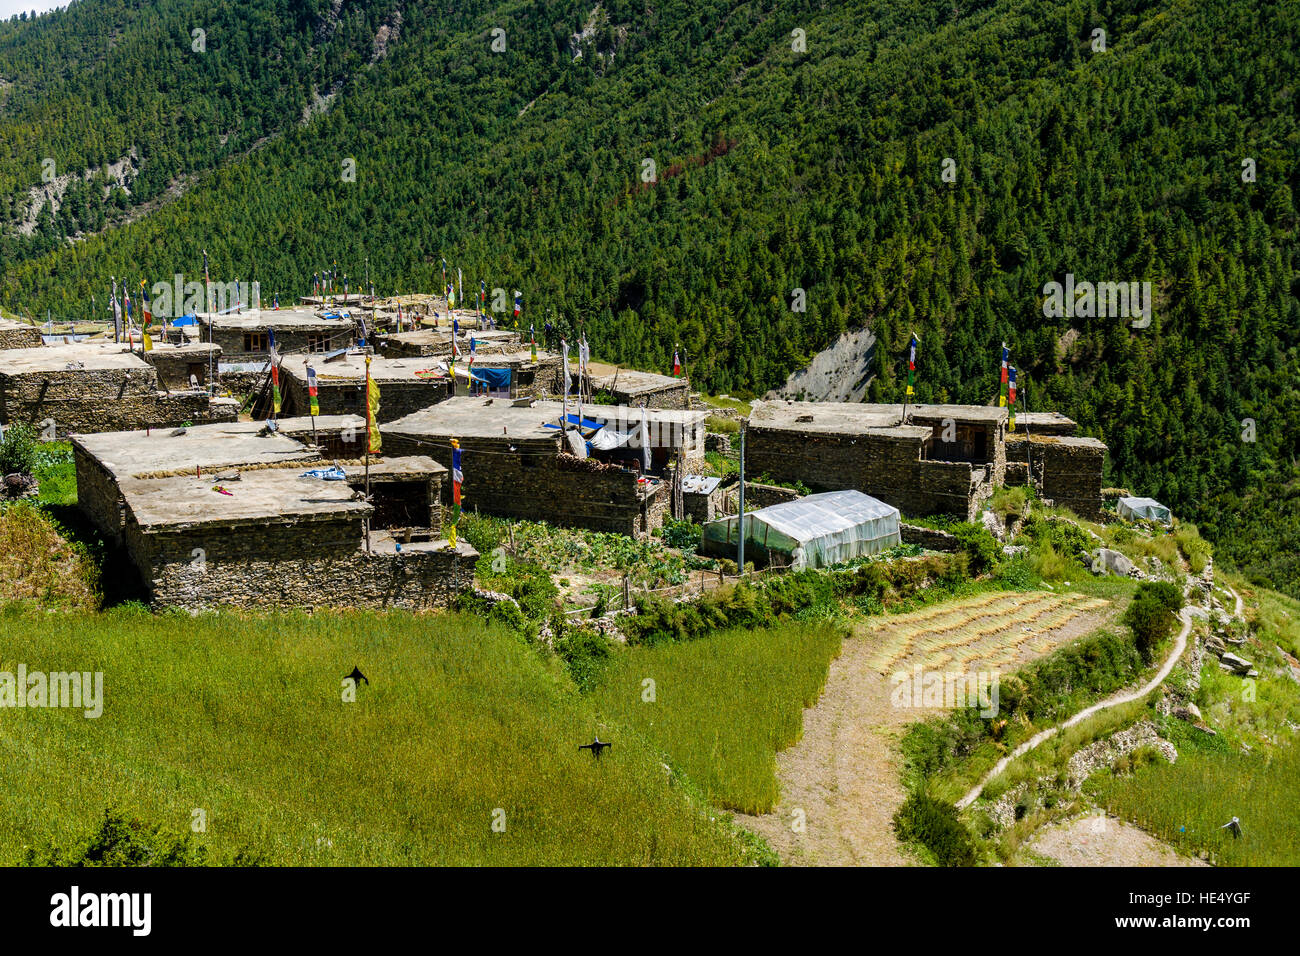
{"points": [[226, 516], [942, 459], [102, 386], [405, 385], [519, 464]]}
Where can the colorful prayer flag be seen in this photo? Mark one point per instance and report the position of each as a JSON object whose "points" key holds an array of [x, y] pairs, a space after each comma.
{"points": [[519, 304], [375, 443], [1002, 397], [677, 365], [1011, 397], [146, 320], [911, 365], [457, 476], [275, 371], [312, 394]]}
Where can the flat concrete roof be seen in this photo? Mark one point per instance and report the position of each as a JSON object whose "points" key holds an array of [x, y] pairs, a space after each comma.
{"points": [[408, 466], [270, 496], [623, 413], [302, 424], [441, 335], [352, 368], [1074, 441], [1044, 419], [843, 418], [472, 416], [631, 382], [6, 324], [210, 447], [94, 356], [478, 417], [253, 320]]}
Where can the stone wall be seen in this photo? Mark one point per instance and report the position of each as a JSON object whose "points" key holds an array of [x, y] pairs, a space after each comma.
{"points": [[102, 400], [537, 483], [97, 495], [306, 565], [19, 336], [929, 538], [1067, 470], [397, 399], [886, 467], [175, 367]]}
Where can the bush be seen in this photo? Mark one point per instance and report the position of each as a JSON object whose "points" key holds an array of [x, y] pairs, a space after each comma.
{"points": [[980, 546], [123, 842], [19, 450], [1151, 615], [935, 825], [585, 654], [684, 535]]}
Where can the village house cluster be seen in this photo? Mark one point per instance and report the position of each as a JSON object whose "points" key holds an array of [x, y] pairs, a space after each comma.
{"points": [[230, 479]]}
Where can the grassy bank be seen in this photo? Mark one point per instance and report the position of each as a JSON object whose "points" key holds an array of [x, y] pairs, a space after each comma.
{"points": [[721, 707]]}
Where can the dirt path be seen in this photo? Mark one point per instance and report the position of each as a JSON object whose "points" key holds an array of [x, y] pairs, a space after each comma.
{"points": [[843, 774], [1104, 841], [1115, 700], [843, 779]]}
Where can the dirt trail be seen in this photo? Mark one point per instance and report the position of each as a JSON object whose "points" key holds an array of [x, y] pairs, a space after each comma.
{"points": [[1104, 841], [843, 774]]}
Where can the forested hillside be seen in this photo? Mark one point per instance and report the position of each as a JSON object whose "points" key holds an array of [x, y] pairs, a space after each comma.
{"points": [[776, 168]]}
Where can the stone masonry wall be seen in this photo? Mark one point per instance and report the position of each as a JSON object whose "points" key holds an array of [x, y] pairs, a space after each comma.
{"points": [[307, 565], [101, 401], [396, 399], [885, 467], [536, 483], [20, 337], [1068, 470]]}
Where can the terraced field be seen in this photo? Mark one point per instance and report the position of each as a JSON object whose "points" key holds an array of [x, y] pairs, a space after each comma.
{"points": [[985, 632], [842, 779]]}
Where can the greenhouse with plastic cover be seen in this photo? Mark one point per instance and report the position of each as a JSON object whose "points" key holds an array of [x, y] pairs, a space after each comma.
{"points": [[1143, 509], [811, 532]]}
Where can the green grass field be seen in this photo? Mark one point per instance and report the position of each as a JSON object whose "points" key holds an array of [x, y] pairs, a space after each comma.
{"points": [[243, 718], [723, 705]]}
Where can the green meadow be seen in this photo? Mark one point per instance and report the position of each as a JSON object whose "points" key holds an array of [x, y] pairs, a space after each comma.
{"points": [[244, 718]]}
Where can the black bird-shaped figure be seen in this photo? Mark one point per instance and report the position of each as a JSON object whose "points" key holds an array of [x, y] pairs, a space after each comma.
{"points": [[596, 747], [357, 677]]}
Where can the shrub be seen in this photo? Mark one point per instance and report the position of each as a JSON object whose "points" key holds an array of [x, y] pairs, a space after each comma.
{"points": [[935, 825], [684, 535], [980, 546], [122, 842], [1151, 615], [585, 654], [19, 450]]}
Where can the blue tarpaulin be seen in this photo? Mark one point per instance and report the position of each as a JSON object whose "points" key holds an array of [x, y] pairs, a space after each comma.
{"points": [[188, 319], [573, 420], [493, 377]]}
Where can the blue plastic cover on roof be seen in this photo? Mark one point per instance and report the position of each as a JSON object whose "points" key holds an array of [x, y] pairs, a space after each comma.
{"points": [[572, 419]]}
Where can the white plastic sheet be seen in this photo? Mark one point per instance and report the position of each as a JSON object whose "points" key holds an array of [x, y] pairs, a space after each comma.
{"points": [[814, 532], [1143, 509]]}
